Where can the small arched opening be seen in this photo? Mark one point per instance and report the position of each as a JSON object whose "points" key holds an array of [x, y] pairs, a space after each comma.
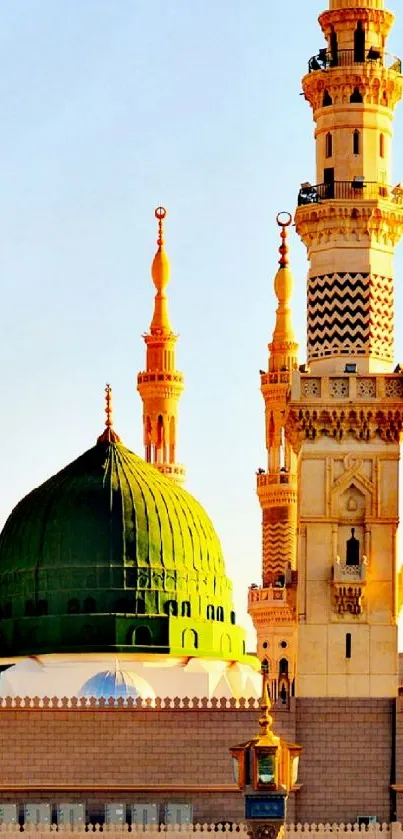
{"points": [[142, 636], [359, 43], [226, 646], [353, 549], [220, 614], [139, 606], [356, 97], [89, 606], [356, 142], [171, 608], [334, 48], [29, 609], [73, 606], [210, 612], [190, 639], [232, 618], [381, 145], [327, 99], [329, 145], [186, 609]]}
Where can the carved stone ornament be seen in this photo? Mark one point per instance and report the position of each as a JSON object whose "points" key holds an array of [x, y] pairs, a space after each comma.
{"points": [[266, 830]]}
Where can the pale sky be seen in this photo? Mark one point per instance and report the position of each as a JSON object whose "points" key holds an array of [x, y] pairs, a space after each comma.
{"points": [[109, 108]]}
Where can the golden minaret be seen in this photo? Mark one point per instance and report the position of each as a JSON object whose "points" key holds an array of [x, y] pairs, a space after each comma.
{"points": [[161, 384], [344, 416], [273, 606]]}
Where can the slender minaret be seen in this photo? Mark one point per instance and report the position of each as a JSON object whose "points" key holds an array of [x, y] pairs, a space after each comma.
{"points": [[160, 385], [345, 416], [273, 606]]}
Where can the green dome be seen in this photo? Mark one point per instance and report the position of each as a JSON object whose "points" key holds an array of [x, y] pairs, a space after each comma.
{"points": [[110, 555]]}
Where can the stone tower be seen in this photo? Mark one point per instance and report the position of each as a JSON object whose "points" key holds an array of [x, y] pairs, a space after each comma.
{"points": [[273, 606], [344, 411], [161, 384]]}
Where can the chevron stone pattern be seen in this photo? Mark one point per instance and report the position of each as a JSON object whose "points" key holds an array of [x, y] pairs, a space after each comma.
{"points": [[350, 314]]}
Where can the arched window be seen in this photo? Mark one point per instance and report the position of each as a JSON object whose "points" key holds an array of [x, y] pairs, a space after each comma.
{"points": [[210, 612], [327, 99], [73, 606], [348, 645], [381, 145], [142, 636], [356, 97], [353, 550], [232, 618], [359, 43], [171, 607], [356, 142], [29, 609], [139, 606], [186, 609], [190, 639], [220, 613], [329, 145], [283, 669], [89, 605]]}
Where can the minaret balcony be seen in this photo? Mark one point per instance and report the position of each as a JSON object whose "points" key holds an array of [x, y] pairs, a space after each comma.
{"points": [[348, 584], [357, 189], [325, 60]]}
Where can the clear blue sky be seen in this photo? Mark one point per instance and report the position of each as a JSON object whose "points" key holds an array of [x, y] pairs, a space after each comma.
{"points": [[108, 108]]}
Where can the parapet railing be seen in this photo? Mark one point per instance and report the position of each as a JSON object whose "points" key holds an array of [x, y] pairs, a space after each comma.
{"points": [[325, 59], [354, 190], [185, 831]]}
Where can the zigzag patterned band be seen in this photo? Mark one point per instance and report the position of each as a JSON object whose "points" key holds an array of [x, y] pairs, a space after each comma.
{"points": [[350, 314]]}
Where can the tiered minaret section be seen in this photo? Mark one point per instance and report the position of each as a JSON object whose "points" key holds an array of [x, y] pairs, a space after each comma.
{"points": [[161, 385], [352, 218], [273, 606], [345, 415]]}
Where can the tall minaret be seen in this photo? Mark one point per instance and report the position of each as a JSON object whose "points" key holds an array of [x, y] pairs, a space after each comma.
{"points": [[160, 385], [272, 607], [345, 416]]}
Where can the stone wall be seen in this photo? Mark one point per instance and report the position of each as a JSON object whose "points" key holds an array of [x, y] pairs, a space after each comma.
{"points": [[144, 754], [346, 763]]}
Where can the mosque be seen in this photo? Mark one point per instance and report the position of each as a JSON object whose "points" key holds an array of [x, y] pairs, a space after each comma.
{"points": [[124, 675]]}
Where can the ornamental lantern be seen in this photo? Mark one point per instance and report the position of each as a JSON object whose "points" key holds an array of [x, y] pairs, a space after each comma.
{"points": [[265, 769]]}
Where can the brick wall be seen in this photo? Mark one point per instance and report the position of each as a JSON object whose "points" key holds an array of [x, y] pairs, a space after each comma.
{"points": [[179, 754], [124, 747], [346, 763]]}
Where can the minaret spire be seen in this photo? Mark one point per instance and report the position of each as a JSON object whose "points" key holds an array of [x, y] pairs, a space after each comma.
{"points": [[161, 385], [273, 605]]}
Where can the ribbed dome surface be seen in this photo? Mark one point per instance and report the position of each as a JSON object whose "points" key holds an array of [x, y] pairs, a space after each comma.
{"points": [[88, 558]]}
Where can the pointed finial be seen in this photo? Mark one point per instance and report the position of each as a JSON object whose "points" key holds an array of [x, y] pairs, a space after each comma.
{"points": [[160, 214], [108, 435], [160, 268], [283, 220], [265, 720]]}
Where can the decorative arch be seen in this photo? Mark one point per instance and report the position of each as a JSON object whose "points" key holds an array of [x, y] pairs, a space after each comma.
{"points": [[73, 606], [142, 637], [186, 609], [356, 97], [190, 639], [226, 645], [171, 608], [90, 605]]}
